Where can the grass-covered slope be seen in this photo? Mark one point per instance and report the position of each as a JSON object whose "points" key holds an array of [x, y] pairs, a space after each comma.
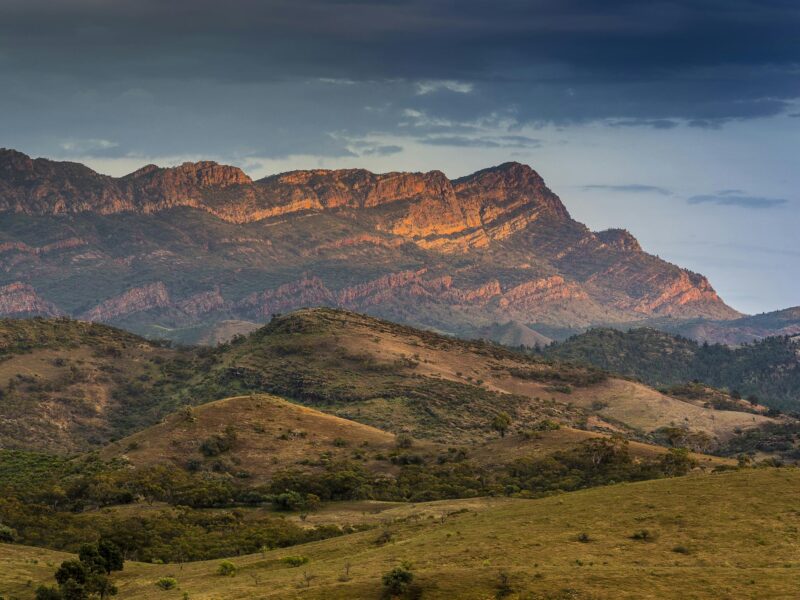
{"points": [[732, 535], [263, 435], [66, 386], [70, 386], [399, 378]]}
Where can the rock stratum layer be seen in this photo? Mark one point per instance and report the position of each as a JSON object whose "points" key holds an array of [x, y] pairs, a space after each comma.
{"points": [[202, 242]]}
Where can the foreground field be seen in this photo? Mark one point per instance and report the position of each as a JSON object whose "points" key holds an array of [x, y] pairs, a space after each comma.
{"points": [[727, 535]]}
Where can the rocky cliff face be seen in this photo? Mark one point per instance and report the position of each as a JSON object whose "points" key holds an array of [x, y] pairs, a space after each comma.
{"points": [[431, 210], [494, 246], [20, 299]]}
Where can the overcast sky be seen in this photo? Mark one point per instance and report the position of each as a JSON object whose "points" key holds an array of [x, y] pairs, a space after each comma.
{"points": [[679, 120]]}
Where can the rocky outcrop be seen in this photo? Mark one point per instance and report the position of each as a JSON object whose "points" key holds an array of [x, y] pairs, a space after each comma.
{"points": [[619, 239], [20, 299], [134, 300], [202, 303]]}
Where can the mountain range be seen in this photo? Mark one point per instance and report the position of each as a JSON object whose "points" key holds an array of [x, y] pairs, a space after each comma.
{"points": [[172, 252]]}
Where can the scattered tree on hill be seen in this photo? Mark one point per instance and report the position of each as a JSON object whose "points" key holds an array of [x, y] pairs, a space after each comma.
{"points": [[501, 422], [399, 583], [219, 443], [87, 577]]}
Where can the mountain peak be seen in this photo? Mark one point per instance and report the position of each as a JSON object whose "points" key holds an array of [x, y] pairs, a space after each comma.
{"points": [[204, 174]]}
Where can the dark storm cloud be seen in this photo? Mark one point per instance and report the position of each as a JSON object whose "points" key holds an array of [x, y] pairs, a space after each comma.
{"points": [[636, 188], [737, 198], [281, 77]]}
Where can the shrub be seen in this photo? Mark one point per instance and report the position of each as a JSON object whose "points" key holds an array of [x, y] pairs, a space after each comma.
{"points": [[584, 538], [219, 443], [7, 534], [397, 581], [226, 568], [645, 535], [167, 583], [404, 441], [294, 561], [48, 593], [680, 549], [547, 425], [504, 587]]}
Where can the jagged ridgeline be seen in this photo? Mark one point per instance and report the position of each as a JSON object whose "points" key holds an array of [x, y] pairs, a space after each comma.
{"points": [[169, 252]]}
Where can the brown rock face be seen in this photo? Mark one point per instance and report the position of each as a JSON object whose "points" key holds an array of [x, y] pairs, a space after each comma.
{"points": [[135, 300], [203, 242], [428, 209], [22, 300]]}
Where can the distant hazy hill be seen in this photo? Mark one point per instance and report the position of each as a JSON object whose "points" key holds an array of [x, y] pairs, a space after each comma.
{"points": [[737, 331], [768, 369], [170, 250]]}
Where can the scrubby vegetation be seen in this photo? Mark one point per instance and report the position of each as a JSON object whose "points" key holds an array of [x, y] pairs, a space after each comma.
{"points": [[767, 371], [62, 510]]}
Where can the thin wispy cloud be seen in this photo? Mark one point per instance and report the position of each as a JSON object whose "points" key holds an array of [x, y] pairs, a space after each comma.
{"points": [[501, 141], [429, 87], [386, 150], [629, 188], [737, 198]]}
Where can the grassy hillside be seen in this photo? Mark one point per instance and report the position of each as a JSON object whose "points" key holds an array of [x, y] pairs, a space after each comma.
{"points": [[73, 386], [66, 386], [402, 379], [708, 537], [767, 370], [271, 435]]}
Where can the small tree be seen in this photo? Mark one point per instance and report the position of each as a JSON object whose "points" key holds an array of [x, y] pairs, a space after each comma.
{"points": [[504, 587], [397, 582], [501, 422], [48, 593]]}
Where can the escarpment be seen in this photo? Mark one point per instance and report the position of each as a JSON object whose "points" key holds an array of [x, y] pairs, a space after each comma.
{"points": [[202, 242]]}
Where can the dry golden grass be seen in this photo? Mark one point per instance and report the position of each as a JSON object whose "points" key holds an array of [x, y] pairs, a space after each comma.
{"points": [[633, 404], [273, 434]]}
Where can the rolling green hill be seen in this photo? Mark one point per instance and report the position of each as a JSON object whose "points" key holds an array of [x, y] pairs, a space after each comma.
{"points": [[719, 536]]}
